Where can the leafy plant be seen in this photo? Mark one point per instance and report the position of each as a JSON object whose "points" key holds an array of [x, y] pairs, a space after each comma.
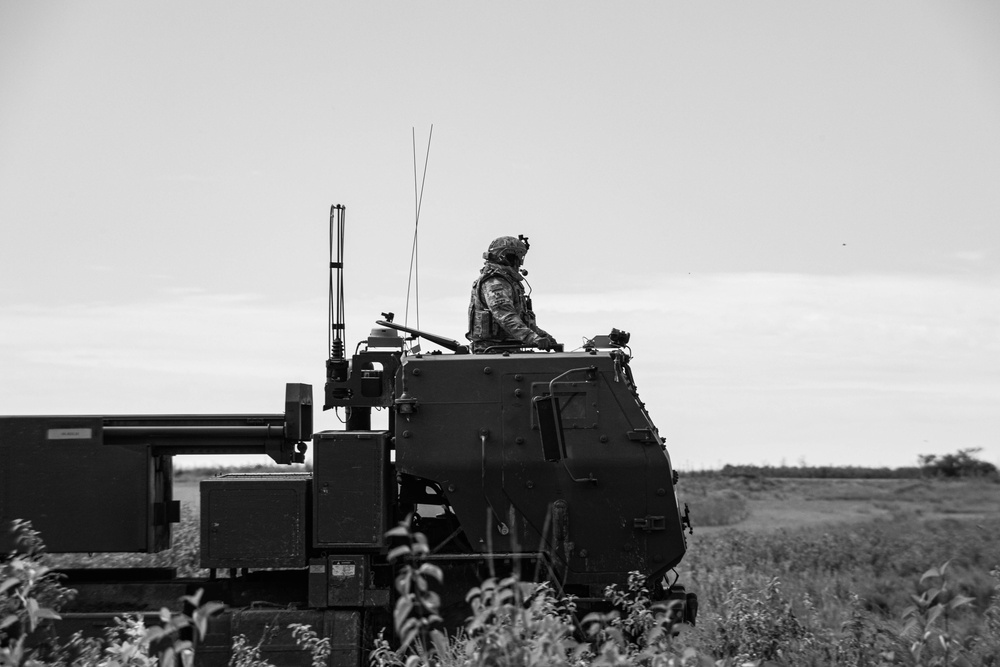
{"points": [[639, 631], [319, 649], [926, 622], [519, 623], [30, 593], [758, 624], [416, 617], [248, 654]]}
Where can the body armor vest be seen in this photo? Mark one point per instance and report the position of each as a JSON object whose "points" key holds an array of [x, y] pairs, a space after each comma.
{"points": [[483, 326]]}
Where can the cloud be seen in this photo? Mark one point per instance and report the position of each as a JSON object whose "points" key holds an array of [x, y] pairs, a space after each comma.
{"points": [[849, 369], [179, 352], [733, 367], [970, 256]]}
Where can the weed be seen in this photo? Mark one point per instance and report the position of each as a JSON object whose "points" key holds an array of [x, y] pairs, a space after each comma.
{"points": [[417, 615], [926, 622], [249, 654], [758, 624], [319, 649], [30, 593]]}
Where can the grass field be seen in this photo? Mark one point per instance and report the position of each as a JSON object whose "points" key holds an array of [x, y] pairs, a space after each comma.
{"points": [[770, 504], [813, 571], [846, 559]]}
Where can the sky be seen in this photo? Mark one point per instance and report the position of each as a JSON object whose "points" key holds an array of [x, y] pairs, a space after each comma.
{"points": [[793, 207]]}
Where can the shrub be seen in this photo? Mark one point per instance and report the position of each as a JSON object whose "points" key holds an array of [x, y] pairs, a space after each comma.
{"points": [[758, 624], [30, 594], [960, 464]]}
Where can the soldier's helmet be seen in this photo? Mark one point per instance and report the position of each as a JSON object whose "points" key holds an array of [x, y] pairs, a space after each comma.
{"points": [[506, 250]]}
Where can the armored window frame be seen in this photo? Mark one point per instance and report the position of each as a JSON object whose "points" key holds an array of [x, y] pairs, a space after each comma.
{"points": [[577, 403]]}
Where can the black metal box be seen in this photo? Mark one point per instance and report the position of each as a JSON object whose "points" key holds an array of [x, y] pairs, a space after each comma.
{"points": [[81, 494], [350, 489], [255, 520]]}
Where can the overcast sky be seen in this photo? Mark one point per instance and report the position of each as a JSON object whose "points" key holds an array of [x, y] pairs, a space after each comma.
{"points": [[793, 207]]}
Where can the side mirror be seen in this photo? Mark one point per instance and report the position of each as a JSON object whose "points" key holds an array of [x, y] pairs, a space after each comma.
{"points": [[550, 427]]}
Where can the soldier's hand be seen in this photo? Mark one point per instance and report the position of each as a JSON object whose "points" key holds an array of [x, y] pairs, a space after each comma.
{"points": [[545, 342]]}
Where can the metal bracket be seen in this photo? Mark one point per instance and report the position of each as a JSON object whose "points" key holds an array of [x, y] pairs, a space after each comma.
{"points": [[166, 512], [641, 435], [650, 523]]}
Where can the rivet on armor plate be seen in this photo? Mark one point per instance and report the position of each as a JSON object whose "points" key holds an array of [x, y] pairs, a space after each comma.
{"points": [[406, 434], [415, 371], [487, 370]]}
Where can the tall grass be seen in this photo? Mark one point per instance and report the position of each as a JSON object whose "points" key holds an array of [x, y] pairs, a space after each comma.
{"points": [[718, 508], [843, 595], [899, 590]]}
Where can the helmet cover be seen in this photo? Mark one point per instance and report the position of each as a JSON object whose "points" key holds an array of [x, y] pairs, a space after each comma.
{"points": [[506, 250]]}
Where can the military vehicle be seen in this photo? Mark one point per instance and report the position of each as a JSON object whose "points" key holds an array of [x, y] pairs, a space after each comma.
{"points": [[544, 463]]}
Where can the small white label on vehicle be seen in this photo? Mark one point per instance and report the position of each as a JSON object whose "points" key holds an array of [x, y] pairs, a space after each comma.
{"points": [[341, 569], [71, 433]]}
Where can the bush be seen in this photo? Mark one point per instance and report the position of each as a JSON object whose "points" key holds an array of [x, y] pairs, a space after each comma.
{"points": [[758, 624], [960, 464], [30, 595]]}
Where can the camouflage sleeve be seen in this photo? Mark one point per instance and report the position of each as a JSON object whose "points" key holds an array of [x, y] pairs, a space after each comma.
{"points": [[499, 298]]}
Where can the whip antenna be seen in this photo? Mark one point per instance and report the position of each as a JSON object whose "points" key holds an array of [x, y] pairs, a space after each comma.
{"points": [[418, 198]]}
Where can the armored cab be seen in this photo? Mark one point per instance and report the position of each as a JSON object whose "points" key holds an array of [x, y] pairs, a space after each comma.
{"points": [[599, 502]]}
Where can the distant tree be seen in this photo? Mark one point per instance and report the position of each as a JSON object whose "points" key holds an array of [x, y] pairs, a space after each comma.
{"points": [[962, 463], [819, 472]]}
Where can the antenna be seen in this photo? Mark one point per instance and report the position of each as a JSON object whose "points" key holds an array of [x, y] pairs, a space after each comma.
{"points": [[337, 364], [418, 198]]}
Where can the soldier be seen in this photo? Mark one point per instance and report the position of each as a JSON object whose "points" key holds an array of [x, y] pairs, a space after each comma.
{"points": [[499, 310]]}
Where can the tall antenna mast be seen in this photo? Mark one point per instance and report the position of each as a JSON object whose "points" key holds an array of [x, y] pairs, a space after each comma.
{"points": [[418, 198], [336, 365]]}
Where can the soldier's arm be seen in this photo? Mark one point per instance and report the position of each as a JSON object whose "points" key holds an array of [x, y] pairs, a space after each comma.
{"points": [[499, 298]]}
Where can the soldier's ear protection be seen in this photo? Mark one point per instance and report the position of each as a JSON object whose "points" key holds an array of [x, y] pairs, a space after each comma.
{"points": [[519, 259], [497, 258]]}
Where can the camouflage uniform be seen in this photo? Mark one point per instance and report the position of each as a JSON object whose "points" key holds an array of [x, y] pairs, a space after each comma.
{"points": [[499, 310]]}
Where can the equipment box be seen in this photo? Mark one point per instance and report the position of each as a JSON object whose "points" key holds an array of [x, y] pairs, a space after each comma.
{"points": [[350, 489], [81, 494], [255, 520]]}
